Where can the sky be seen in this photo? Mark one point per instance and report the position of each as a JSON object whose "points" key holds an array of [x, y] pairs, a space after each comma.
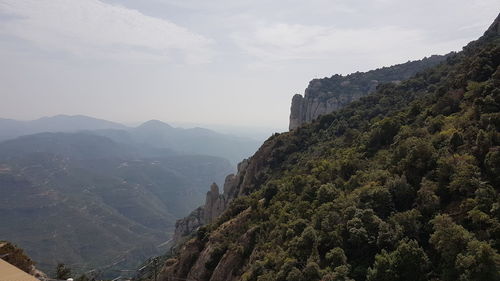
{"points": [[230, 63]]}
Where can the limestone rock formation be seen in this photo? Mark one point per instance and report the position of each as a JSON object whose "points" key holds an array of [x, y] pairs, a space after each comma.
{"points": [[326, 95], [215, 204], [187, 225], [197, 260], [235, 185]]}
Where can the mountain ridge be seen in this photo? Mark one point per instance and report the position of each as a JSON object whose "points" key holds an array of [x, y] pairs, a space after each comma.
{"points": [[153, 133], [399, 185], [329, 94]]}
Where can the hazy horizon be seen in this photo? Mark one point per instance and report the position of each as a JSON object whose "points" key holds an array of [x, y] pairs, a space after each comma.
{"points": [[259, 133], [225, 63]]}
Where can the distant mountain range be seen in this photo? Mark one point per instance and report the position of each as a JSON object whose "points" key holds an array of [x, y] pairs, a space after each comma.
{"points": [[151, 134], [94, 193], [88, 200], [10, 128]]}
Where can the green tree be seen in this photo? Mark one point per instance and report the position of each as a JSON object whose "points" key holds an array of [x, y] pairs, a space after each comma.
{"points": [[62, 271], [403, 193], [449, 239], [336, 257], [456, 140], [492, 164], [479, 262], [340, 273], [312, 272], [377, 198], [295, 275], [327, 193], [415, 157], [382, 269], [383, 133], [407, 263], [427, 199]]}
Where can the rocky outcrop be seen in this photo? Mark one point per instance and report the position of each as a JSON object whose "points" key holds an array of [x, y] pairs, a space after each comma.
{"points": [[188, 225], [245, 180], [215, 204], [209, 258], [228, 267], [324, 96], [306, 109]]}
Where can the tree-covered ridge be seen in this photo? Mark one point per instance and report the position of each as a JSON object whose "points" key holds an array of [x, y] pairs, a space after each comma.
{"points": [[362, 83], [329, 94], [401, 185]]}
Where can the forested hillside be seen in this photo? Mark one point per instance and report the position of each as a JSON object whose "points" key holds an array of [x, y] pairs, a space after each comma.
{"points": [[400, 185]]}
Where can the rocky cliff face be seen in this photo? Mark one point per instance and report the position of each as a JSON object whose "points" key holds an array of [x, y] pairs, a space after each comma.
{"points": [[247, 178], [326, 95], [210, 259], [306, 109], [215, 204]]}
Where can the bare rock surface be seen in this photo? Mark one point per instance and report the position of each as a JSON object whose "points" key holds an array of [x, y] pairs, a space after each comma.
{"points": [[329, 94]]}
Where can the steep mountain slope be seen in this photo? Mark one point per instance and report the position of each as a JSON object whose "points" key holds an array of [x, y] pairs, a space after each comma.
{"points": [[326, 95], [88, 201], [400, 185]]}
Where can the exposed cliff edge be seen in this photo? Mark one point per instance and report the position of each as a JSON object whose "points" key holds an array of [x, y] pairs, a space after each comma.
{"points": [[215, 204], [245, 180], [327, 95]]}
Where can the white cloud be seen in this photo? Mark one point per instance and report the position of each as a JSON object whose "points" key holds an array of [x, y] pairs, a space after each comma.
{"points": [[282, 41], [93, 29]]}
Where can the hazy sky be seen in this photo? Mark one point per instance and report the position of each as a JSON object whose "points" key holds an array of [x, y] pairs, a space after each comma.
{"points": [[235, 62]]}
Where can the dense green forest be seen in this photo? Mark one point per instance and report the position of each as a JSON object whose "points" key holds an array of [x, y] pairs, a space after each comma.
{"points": [[363, 83], [401, 185]]}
